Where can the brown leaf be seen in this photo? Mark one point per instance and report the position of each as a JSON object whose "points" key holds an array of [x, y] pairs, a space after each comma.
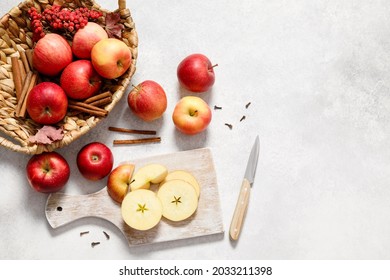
{"points": [[47, 135], [113, 27]]}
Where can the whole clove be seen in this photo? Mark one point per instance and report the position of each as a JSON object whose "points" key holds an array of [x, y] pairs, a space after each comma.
{"points": [[217, 107], [93, 244], [106, 235], [242, 118], [247, 105], [229, 125], [83, 233]]}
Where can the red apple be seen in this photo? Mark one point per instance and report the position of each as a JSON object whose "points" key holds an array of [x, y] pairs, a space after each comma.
{"points": [[111, 58], [191, 115], [47, 103], [85, 38], [95, 161], [119, 181], [47, 172], [196, 73], [51, 54], [79, 80], [147, 100]]}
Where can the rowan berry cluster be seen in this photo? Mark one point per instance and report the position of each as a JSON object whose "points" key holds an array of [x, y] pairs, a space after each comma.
{"points": [[60, 19]]}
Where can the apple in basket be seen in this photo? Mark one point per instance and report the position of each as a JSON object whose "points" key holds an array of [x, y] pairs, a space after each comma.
{"points": [[147, 100], [47, 172], [111, 58], [85, 38], [196, 73], [47, 103], [52, 54], [79, 80], [191, 115]]}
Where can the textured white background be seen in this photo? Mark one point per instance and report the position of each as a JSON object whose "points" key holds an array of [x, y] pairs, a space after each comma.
{"points": [[317, 74]]}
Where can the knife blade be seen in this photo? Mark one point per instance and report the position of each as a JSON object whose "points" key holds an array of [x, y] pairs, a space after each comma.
{"points": [[243, 198]]}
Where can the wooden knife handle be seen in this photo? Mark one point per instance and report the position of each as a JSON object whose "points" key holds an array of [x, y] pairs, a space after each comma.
{"points": [[239, 212]]}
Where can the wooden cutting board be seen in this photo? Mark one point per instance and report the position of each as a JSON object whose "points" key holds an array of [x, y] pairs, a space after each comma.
{"points": [[62, 208]]}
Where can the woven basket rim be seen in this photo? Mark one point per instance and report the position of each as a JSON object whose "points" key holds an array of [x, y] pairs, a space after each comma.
{"points": [[15, 131]]}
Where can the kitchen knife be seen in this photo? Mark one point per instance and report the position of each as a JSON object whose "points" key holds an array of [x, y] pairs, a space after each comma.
{"points": [[243, 198]]}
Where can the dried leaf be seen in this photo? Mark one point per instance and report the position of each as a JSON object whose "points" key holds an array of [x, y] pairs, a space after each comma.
{"points": [[47, 135], [113, 27]]}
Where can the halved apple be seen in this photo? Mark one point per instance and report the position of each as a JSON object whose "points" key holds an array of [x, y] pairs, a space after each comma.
{"points": [[185, 176], [141, 209], [151, 173], [179, 199], [119, 180]]}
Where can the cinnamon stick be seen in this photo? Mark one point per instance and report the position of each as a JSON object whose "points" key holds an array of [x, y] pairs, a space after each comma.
{"points": [[94, 112], [98, 97], [25, 61], [137, 141], [29, 83], [16, 76], [92, 105], [101, 102], [29, 54], [135, 131], [23, 73], [32, 83], [23, 94], [86, 106]]}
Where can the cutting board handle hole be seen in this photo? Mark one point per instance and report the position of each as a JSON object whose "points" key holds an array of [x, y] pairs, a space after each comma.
{"points": [[59, 208]]}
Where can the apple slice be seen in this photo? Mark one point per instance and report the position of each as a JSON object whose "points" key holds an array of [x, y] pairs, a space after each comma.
{"points": [[119, 180], [179, 200], [141, 209], [149, 174], [185, 176]]}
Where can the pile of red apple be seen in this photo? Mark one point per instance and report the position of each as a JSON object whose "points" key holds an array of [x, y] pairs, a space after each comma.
{"points": [[80, 67], [49, 172]]}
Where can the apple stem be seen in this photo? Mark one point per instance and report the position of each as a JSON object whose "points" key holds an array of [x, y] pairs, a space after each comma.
{"points": [[132, 181], [95, 158], [135, 87], [215, 65], [194, 113]]}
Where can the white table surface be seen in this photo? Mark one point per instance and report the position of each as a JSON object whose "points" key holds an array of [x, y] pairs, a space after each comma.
{"points": [[317, 74]]}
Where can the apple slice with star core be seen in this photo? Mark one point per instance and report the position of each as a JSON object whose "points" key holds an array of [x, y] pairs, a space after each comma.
{"points": [[179, 200], [141, 209], [152, 173], [185, 176]]}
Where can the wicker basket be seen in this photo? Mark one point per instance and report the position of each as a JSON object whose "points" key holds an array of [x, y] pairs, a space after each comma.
{"points": [[16, 37]]}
